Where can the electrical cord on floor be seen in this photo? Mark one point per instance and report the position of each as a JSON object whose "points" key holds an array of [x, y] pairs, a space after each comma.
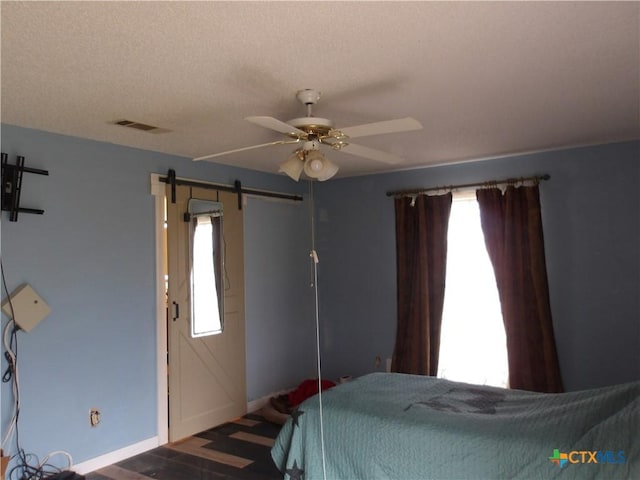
{"points": [[26, 465], [30, 468]]}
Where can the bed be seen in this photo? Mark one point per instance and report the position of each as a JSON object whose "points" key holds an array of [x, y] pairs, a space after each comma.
{"points": [[406, 427]]}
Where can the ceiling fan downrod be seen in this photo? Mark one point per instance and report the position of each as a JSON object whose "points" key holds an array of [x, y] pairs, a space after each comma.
{"points": [[308, 97]]}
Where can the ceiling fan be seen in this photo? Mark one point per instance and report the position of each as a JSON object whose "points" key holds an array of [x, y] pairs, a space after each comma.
{"points": [[312, 132]]}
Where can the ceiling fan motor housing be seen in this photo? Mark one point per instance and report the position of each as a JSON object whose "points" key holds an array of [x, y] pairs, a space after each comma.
{"points": [[320, 127]]}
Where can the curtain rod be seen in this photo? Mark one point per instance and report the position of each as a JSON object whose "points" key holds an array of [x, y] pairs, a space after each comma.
{"points": [[488, 184]]}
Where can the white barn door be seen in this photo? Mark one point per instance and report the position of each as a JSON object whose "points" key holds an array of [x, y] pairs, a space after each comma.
{"points": [[207, 375]]}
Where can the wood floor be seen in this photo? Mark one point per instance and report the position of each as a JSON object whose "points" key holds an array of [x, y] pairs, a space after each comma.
{"points": [[238, 450]]}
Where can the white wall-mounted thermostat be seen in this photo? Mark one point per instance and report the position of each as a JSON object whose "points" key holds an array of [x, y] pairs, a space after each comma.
{"points": [[29, 309]]}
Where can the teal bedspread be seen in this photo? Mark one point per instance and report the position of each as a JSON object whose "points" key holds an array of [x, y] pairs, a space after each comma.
{"points": [[406, 427]]}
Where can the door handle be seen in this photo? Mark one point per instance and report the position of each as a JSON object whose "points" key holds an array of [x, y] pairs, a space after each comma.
{"points": [[176, 311]]}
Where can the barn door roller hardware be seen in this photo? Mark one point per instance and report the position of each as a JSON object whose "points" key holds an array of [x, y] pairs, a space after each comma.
{"points": [[12, 186], [236, 188]]}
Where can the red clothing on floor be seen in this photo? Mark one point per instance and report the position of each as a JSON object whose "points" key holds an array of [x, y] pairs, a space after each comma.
{"points": [[307, 389]]}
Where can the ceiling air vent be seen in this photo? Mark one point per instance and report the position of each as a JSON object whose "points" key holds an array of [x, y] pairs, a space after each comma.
{"points": [[140, 126]]}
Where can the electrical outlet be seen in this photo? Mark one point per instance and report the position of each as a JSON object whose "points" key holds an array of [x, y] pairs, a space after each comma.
{"points": [[94, 417]]}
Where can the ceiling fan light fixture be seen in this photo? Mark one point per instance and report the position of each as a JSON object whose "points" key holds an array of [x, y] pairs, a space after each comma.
{"points": [[318, 166], [314, 163], [330, 169], [293, 166]]}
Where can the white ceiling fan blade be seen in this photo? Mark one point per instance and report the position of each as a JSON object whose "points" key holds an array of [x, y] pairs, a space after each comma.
{"points": [[371, 153], [277, 125], [279, 142], [388, 126]]}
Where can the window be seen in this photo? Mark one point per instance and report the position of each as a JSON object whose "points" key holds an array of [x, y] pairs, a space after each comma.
{"points": [[472, 342], [206, 272]]}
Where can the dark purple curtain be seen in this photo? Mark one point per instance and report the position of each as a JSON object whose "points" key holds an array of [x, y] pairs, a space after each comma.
{"points": [[421, 255], [512, 227]]}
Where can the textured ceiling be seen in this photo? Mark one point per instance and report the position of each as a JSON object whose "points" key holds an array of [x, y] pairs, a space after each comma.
{"points": [[484, 78]]}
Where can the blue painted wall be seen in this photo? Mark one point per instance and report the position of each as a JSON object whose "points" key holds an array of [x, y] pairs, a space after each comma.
{"points": [[591, 216], [277, 280], [91, 257]]}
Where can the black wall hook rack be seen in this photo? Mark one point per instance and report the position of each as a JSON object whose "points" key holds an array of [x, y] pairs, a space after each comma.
{"points": [[12, 186]]}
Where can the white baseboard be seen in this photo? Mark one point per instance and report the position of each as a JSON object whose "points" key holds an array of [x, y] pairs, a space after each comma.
{"points": [[115, 456], [151, 443], [258, 403]]}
